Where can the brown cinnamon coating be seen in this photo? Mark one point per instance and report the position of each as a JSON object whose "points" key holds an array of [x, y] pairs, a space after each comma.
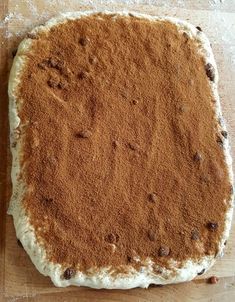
{"points": [[97, 190]]}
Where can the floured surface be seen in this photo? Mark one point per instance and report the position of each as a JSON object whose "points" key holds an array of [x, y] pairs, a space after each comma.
{"points": [[23, 272], [146, 215]]}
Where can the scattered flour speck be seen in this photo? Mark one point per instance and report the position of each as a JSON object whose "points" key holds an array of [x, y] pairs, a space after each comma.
{"points": [[30, 13]]}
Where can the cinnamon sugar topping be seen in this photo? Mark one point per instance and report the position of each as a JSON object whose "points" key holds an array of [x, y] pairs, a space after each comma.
{"points": [[99, 158]]}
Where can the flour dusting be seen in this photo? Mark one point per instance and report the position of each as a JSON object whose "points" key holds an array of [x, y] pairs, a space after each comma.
{"points": [[30, 13], [27, 14]]}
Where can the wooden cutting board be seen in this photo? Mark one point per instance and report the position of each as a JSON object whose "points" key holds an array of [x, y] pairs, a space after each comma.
{"points": [[19, 280]]}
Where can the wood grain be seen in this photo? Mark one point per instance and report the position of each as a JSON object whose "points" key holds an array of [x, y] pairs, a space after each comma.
{"points": [[19, 280], [3, 144]]}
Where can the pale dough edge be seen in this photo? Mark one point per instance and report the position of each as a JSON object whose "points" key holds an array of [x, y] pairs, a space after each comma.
{"points": [[25, 231]]}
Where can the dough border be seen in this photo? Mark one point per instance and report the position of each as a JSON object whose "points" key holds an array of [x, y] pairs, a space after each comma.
{"points": [[25, 231]]}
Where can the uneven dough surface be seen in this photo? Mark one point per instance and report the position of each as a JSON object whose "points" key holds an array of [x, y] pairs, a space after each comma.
{"points": [[115, 214]]}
